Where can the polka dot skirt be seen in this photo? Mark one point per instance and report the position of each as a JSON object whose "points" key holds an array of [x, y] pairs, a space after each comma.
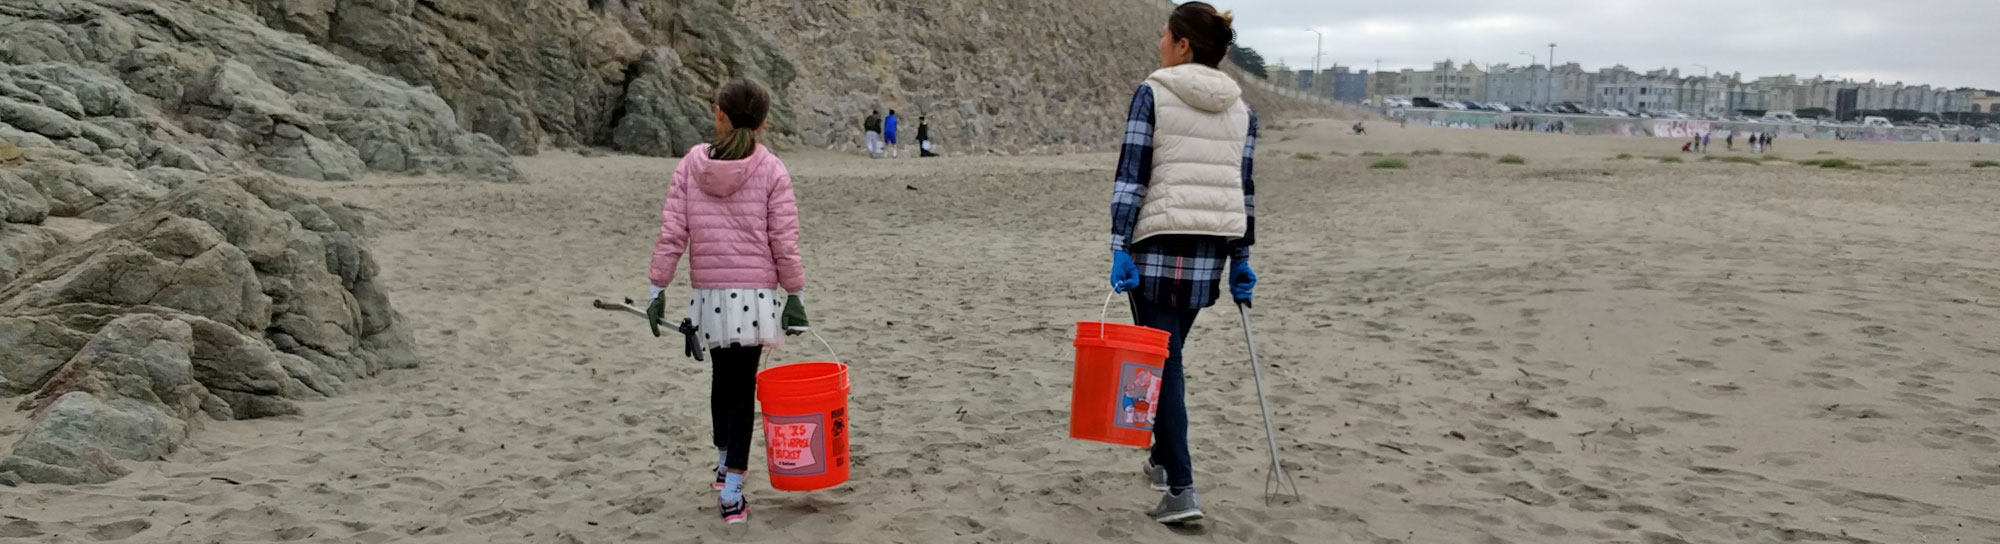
{"points": [[737, 317]]}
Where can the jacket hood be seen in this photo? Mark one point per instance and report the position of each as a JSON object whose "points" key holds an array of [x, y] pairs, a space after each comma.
{"points": [[723, 178], [1198, 85]]}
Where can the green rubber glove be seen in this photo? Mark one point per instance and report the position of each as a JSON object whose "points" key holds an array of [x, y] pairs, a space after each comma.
{"points": [[794, 320], [656, 312]]}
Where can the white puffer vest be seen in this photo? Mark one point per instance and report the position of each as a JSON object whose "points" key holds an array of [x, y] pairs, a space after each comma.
{"points": [[1199, 127]]}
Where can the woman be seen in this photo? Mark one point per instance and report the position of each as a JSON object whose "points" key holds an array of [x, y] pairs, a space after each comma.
{"points": [[1181, 203]]}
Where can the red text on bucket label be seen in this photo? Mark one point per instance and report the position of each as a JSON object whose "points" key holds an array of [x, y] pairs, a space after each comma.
{"points": [[1138, 396], [796, 444]]}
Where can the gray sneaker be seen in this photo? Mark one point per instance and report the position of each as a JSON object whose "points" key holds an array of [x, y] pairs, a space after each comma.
{"points": [[1156, 474], [1177, 509]]}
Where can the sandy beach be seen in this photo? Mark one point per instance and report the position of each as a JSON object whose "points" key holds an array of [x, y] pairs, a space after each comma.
{"points": [[1578, 349]]}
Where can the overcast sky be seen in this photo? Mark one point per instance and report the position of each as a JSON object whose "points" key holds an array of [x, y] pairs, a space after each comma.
{"points": [[1938, 42]]}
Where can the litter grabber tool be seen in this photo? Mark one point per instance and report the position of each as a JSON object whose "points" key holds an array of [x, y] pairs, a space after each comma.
{"points": [[687, 328], [1276, 482]]}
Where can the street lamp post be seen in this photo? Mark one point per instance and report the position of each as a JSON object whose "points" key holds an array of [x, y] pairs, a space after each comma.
{"points": [[1530, 73], [1703, 89], [1318, 45], [1551, 98]]}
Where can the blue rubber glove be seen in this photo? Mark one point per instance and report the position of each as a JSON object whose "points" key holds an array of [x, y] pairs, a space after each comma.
{"points": [[1242, 281], [1124, 274]]}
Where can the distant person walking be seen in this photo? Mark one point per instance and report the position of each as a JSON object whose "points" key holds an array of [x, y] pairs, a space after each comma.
{"points": [[1767, 141], [924, 137], [1729, 142], [1704, 141], [889, 131], [1182, 208], [873, 126]]}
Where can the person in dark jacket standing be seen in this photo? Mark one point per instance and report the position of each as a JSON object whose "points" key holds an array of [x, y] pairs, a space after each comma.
{"points": [[1182, 208], [873, 126], [924, 137]]}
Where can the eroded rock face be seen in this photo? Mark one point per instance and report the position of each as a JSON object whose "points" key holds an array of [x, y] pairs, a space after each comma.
{"points": [[636, 75], [226, 299], [1008, 76], [135, 84]]}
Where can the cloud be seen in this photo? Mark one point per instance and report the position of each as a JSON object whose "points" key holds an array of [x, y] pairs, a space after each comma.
{"points": [[1936, 42]]}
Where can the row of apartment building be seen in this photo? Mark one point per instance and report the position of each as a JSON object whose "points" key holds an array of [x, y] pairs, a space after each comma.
{"points": [[1623, 88]]}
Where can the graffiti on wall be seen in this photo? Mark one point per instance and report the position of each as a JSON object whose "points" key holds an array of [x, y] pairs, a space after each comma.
{"points": [[1667, 128], [1681, 129]]}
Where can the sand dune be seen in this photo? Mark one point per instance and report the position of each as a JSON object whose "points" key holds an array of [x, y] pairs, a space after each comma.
{"points": [[1574, 350]]}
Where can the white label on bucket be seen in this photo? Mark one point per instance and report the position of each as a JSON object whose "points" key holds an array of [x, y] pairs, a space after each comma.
{"points": [[795, 444]]}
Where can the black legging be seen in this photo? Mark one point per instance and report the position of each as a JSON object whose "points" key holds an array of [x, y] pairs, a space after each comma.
{"points": [[732, 402]]}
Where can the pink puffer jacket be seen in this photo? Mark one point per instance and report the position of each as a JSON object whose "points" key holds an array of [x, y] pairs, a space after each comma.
{"points": [[737, 222]]}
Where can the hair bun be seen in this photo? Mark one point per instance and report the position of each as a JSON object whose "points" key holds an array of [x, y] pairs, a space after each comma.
{"points": [[1227, 18]]}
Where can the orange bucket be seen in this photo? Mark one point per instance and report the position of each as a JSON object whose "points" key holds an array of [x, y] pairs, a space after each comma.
{"points": [[1116, 388], [805, 424]]}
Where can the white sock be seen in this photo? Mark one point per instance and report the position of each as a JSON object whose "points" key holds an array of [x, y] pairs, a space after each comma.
{"points": [[732, 488], [721, 457]]}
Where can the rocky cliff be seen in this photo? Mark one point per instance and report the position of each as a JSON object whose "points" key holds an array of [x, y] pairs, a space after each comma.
{"points": [[629, 74], [1007, 75], [138, 84]]}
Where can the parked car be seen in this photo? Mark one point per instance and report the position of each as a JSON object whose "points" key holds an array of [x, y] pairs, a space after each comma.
{"points": [[1496, 106], [1421, 102]]}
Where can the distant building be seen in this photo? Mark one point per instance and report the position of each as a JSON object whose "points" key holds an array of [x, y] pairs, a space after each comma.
{"points": [[1385, 84], [1444, 81], [1572, 84], [1518, 86], [1350, 87], [1982, 101], [1282, 76], [1644, 95]]}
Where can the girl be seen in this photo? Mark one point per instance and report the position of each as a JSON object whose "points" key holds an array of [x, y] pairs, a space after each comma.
{"points": [[1181, 203], [731, 210]]}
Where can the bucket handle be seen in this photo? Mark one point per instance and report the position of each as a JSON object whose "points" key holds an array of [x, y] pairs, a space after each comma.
{"points": [[1104, 313], [829, 347]]}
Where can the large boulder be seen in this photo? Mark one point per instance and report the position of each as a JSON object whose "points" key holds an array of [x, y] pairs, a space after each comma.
{"points": [[128, 394], [99, 193], [278, 289], [538, 74], [223, 88], [20, 201], [80, 438], [660, 118], [23, 246]]}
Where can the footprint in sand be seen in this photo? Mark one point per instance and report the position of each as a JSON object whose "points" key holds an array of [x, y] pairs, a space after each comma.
{"points": [[1787, 458], [1825, 380], [120, 530], [1676, 415], [1865, 435], [1879, 503], [20, 528]]}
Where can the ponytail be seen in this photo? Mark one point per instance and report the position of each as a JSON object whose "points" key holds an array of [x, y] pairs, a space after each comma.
{"points": [[745, 103], [736, 144]]}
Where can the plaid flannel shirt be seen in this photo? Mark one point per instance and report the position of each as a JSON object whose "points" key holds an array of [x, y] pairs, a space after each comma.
{"points": [[1181, 270]]}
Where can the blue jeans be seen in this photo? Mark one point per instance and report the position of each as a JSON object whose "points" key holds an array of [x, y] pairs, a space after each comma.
{"points": [[1170, 421]]}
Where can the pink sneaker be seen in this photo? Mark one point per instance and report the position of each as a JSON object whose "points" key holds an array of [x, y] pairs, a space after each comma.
{"points": [[736, 513]]}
